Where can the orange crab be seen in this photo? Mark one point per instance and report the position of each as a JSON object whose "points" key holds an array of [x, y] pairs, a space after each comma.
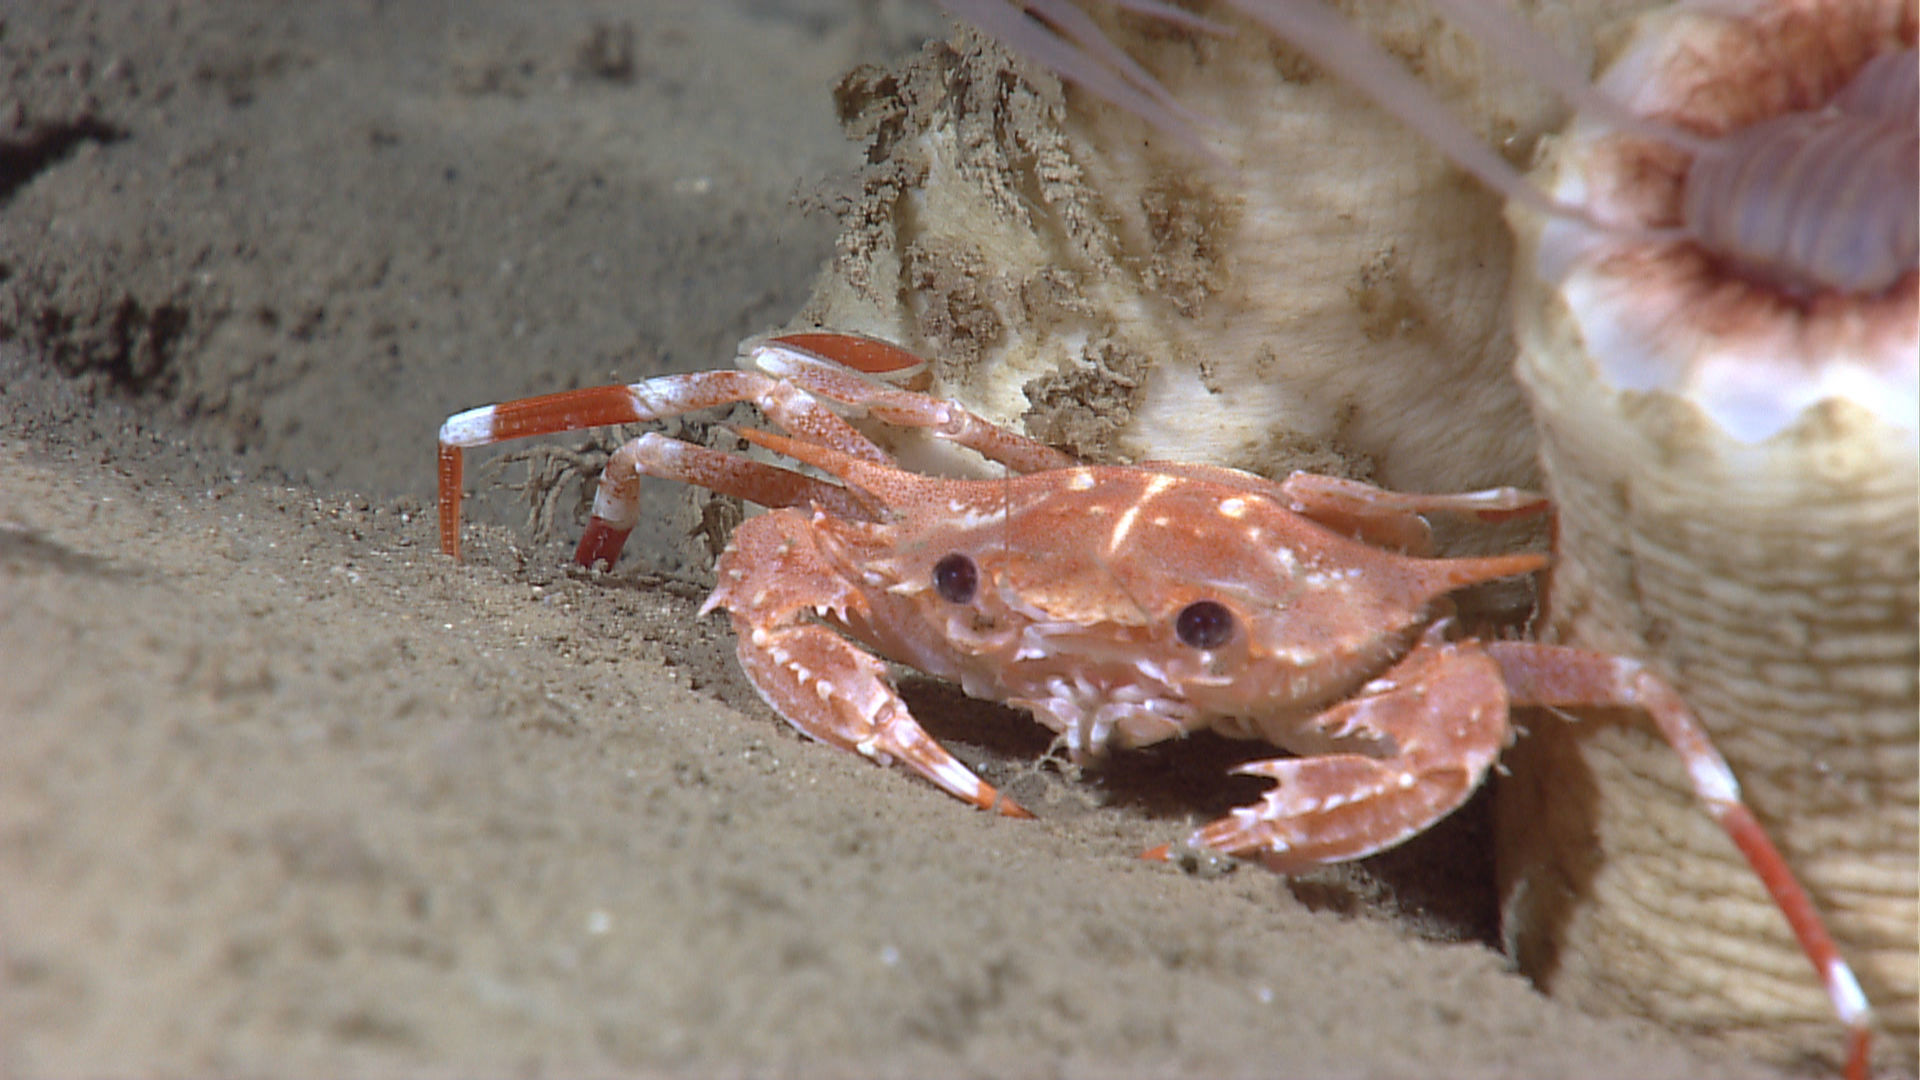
{"points": [[1120, 605]]}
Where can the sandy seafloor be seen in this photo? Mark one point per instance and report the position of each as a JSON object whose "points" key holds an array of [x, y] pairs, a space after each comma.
{"points": [[283, 791]]}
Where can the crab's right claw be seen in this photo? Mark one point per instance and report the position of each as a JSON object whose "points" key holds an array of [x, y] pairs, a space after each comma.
{"points": [[1427, 732]]}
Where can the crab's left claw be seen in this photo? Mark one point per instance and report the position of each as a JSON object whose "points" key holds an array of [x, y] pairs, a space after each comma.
{"points": [[834, 692], [1429, 729]]}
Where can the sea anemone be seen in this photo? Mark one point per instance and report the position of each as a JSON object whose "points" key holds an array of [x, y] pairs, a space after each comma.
{"points": [[1728, 414]]}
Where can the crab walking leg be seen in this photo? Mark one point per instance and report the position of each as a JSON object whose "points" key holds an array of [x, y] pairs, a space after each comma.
{"points": [[1440, 719], [820, 369], [653, 399], [788, 377], [1554, 675], [773, 581], [869, 355], [616, 503]]}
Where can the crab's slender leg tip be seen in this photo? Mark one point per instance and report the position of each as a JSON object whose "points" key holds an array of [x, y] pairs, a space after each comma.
{"points": [[601, 542], [1859, 1053], [1163, 853], [1003, 804], [452, 487]]}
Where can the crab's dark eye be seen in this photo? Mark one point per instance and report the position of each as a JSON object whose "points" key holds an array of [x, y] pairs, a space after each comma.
{"points": [[955, 578], [1204, 624]]}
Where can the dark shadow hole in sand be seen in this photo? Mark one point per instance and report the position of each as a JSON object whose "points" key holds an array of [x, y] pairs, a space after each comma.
{"points": [[23, 550], [45, 146]]}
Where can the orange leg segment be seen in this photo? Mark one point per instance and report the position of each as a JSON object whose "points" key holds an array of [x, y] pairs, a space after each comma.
{"points": [[570, 410]]}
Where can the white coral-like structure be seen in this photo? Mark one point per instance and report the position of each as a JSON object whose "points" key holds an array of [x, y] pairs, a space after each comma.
{"points": [[1327, 293]]}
